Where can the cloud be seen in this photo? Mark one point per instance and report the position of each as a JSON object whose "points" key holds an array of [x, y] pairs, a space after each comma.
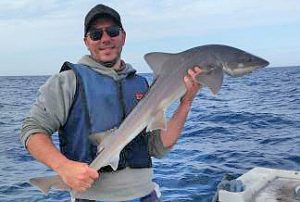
{"points": [[178, 18], [152, 19], [32, 27]]}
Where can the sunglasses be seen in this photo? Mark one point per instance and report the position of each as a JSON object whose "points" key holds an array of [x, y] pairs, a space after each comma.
{"points": [[96, 34]]}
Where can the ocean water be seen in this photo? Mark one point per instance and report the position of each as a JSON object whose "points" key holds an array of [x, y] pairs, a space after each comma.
{"points": [[253, 121]]}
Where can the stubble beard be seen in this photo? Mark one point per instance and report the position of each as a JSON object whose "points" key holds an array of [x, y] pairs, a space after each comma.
{"points": [[111, 63]]}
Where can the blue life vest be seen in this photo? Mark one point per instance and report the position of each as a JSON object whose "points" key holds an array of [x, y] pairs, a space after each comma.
{"points": [[101, 104]]}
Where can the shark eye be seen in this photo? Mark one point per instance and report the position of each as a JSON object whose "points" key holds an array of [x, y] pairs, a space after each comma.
{"points": [[249, 59]]}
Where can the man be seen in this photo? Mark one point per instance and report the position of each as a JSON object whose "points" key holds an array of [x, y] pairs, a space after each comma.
{"points": [[95, 96]]}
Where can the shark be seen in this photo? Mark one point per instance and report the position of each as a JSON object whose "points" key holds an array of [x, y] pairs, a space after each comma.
{"points": [[169, 69]]}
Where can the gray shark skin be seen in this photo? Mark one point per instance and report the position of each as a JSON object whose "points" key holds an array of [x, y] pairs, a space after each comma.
{"points": [[168, 86]]}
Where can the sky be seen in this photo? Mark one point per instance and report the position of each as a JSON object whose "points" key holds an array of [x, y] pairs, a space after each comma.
{"points": [[37, 37]]}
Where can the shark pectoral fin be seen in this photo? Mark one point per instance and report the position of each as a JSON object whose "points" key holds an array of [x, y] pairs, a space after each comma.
{"points": [[114, 163], [156, 60], [212, 79], [48, 182], [158, 121]]}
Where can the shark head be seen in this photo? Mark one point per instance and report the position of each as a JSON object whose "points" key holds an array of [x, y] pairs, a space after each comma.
{"points": [[237, 62]]}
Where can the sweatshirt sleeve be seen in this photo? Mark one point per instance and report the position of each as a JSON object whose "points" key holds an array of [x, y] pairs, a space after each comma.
{"points": [[155, 145], [51, 108]]}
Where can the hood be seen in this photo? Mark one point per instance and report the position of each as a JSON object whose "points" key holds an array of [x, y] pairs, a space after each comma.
{"points": [[126, 70]]}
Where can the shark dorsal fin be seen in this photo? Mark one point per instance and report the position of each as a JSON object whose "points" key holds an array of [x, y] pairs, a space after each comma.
{"points": [[156, 61]]}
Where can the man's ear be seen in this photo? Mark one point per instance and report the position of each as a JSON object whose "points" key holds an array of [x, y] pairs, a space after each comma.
{"points": [[85, 41], [123, 37]]}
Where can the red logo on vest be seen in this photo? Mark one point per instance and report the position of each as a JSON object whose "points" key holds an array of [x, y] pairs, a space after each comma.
{"points": [[139, 96]]}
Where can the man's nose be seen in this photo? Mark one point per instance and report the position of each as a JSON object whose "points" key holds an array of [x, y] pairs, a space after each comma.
{"points": [[105, 37]]}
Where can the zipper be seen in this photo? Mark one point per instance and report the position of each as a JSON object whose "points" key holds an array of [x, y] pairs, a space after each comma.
{"points": [[120, 95], [123, 155]]}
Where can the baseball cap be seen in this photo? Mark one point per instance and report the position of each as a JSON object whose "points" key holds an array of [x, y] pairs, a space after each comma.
{"points": [[101, 10]]}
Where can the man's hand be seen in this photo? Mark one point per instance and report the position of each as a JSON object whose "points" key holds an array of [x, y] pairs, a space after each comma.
{"points": [[191, 84], [79, 176]]}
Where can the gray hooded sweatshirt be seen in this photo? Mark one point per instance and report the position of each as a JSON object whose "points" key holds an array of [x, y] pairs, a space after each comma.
{"points": [[50, 112]]}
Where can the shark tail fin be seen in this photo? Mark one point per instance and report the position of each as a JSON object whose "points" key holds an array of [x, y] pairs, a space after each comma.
{"points": [[46, 183]]}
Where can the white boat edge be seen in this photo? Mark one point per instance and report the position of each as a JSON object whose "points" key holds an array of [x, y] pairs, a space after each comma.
{"points": [[255, 180]]}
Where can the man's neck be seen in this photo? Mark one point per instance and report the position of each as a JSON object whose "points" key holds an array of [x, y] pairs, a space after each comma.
{"points": [[118, 66]]}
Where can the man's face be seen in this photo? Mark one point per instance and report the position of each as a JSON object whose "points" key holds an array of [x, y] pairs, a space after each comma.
{"points": [[107, 48]]}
